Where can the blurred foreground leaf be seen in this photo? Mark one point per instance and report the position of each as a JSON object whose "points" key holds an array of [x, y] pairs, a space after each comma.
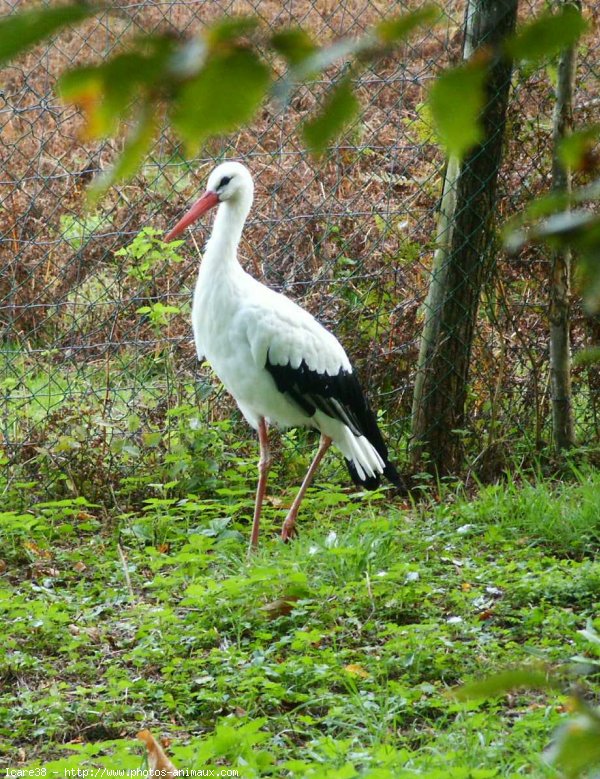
{"points": [[588, 356], [578, 230], [20, 31], [230, 28], [576, 746], [225, 94], [577, 150], [340, 107], [456, 100], [107, 92], [294, 44], [504, 682], [136, 146], [398, 28], [547, 35], [565, 228]]}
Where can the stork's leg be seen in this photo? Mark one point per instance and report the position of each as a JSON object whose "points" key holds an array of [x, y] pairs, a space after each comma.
{"points": [[264, 465], [287, 531]]}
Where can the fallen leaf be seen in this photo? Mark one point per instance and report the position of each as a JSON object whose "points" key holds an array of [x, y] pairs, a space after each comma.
{"points": [[357, 670], [158, 763], [3, 566], [80, 566], [280, 607], [36, 550], [92, 633], [276, 502]]}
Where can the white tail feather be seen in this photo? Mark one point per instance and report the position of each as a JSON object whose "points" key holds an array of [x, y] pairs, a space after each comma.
{"points": [[357, 449]]}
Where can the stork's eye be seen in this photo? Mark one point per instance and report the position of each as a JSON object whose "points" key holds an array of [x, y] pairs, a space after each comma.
{"points": [[224, 182]]}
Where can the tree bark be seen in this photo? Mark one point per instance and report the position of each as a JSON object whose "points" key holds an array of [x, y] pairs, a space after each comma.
{"points": [[461, 260], [560, 279]]}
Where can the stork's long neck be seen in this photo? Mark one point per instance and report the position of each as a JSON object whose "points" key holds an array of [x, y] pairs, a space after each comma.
{"points": [[220, 256]]}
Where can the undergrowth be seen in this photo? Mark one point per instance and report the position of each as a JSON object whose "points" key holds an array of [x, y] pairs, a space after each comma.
{"points": [[332, 656]]}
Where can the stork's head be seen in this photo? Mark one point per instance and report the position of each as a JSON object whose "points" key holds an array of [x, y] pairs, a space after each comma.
{"points": [[230, 183]]}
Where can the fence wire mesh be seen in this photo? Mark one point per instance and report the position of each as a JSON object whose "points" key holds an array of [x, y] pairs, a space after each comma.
{"points": [[96, 345]]}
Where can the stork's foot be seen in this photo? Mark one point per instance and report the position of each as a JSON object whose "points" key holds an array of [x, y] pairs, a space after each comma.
{"points": [[288, 529]]}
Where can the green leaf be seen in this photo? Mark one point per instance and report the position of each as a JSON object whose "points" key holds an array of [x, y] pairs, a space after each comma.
{"points": [[308, 60], [225, 94], [576, 228], [547, 204], [577, 746], [340, 107], [547, 35], [589, 356], [106, 91], [136, 147], [504, 682], [456, 100], [344, 49], [312, 63], [575, 148], [294, 44], [397, 28], [228, 29], [102, 100], [521, 228], [21, 30]]}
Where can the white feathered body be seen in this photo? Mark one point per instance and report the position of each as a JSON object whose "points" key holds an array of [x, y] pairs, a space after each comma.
{"points": [[238, 323], [241, 322]]}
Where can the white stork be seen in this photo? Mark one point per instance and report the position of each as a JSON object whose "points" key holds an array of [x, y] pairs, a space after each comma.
{"points": [[281, 366]]}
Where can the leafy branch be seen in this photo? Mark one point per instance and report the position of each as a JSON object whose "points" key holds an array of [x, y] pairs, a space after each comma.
{"points": [[216, 81]]}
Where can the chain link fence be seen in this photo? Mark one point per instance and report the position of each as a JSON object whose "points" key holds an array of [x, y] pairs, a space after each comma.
{"points": [[98, 370]]}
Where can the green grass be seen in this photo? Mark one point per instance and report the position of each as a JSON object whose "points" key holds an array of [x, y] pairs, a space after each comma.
{"points": [[558, 516], [332, 656]]}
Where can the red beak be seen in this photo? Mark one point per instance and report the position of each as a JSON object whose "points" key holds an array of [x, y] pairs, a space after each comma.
{"points": [[201, 206]]}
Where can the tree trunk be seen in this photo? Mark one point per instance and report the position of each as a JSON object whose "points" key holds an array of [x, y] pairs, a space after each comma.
{"points": [[560, 279], [461, 259]]}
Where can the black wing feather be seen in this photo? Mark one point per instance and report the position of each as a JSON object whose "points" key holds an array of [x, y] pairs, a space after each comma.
{"points": [[340, 397]]}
